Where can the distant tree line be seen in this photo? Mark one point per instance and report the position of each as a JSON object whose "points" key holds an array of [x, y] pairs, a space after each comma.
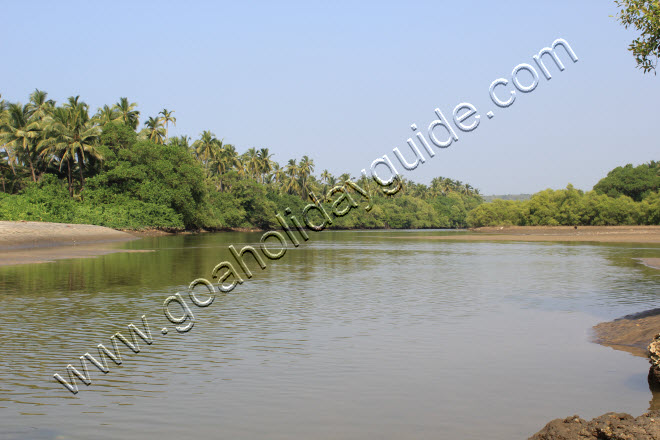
{"points": [[627, 196]]}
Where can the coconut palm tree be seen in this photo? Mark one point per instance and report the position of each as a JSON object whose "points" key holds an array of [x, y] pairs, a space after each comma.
{"points": [[167, 118], [4, 167], [326, 176], [205, 148], [180, 141], [251, 162], [70, 137], [227, 157], [154, 130], [292, 182], [279, 177], [265, 164], [325, 180], [20, 135], [241, 166], [126, 113], [305, 170], [40, 106], [3, 109], [4, 119], [105, 115]]}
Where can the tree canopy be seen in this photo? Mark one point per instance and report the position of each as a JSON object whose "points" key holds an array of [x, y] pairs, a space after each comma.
{"points": [[634, 182]]}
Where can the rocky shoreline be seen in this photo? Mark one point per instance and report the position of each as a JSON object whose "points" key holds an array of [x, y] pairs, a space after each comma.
{"points": [[632, 334], [610, 426]]}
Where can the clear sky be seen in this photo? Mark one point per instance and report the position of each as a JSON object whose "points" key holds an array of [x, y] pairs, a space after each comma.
{"points": [[342, 81]]}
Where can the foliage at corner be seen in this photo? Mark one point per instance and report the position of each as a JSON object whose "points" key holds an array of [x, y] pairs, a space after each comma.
{"points": [[643, 16]]}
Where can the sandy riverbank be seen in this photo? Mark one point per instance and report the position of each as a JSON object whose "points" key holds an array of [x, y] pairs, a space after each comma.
{"points": [[38, 242], [603, 234]]}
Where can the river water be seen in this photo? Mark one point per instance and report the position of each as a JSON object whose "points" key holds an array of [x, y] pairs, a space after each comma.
{"points": [[353, 335]]}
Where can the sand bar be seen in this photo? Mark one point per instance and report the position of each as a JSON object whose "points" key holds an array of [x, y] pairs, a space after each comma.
{"points": [[38, 242], [603, 234], [651, 262]]}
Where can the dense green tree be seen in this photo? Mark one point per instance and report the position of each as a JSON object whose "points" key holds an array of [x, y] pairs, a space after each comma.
{"points": [[117, 136], [163, 175], [634, 182], [568, 207]]}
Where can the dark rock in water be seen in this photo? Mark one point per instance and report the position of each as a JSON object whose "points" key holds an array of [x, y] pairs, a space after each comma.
{"points": [[640, 315], [654, 378], [610, 426]]}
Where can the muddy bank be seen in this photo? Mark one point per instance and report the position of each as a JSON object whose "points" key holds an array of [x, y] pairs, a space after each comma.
{"points": [[632, 333], [603, 234], [610, 426], [40, 242]]}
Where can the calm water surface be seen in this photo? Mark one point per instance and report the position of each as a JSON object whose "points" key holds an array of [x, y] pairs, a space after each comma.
{"points": [[354, 335]]}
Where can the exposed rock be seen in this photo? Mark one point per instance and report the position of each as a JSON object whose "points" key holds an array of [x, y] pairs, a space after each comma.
{"points": [[653, 352], [610, 426]]}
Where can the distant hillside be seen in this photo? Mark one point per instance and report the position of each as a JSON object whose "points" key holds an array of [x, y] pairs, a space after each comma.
{"points": [[507, 197]]}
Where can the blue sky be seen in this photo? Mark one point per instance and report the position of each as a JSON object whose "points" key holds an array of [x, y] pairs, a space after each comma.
{"points": [[343, 81]]}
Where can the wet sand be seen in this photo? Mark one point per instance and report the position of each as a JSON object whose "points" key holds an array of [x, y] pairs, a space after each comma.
{"points": [[603, 234], [39, 242]]}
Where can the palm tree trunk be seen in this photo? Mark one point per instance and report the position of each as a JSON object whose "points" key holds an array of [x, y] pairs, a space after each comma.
{"points": [[10, 159], [80, 167], [34, 177], [69, 177]]}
